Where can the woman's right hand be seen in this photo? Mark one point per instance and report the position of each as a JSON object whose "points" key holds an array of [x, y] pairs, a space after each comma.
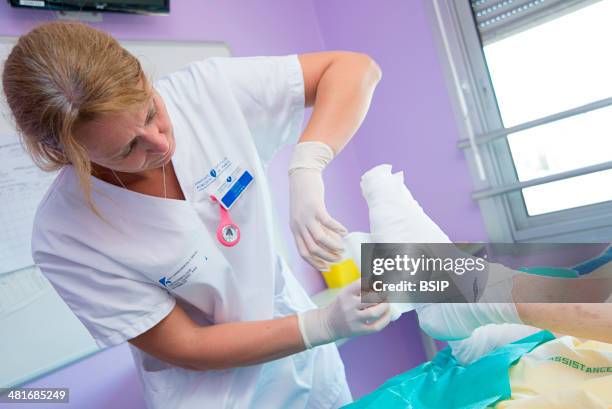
{"points": [[345, 317]]}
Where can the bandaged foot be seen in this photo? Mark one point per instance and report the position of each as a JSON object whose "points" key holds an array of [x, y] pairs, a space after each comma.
{"points": [[396, 217]]}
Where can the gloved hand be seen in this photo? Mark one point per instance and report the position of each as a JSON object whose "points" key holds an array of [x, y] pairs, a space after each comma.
{"points": [[449, 322], [317, 235], [345, 317]]}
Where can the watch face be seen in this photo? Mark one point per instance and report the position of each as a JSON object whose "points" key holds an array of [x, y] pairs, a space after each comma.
{"points": [[229, 233]]}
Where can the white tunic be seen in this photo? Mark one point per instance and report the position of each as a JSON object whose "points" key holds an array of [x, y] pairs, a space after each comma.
{"points": [[112, 275]]}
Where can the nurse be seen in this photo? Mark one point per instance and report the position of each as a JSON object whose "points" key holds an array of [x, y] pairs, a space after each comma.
{"points": [[158, 229]]}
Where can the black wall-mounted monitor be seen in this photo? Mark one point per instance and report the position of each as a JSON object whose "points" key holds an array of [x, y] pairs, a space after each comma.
{"points": [[122, 6]]}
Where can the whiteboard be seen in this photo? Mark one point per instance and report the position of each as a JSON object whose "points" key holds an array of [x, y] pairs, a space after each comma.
{"points": [[38, 332]]}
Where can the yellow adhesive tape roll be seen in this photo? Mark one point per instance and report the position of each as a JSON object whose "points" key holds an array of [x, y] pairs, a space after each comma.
{"points": [[341, 274]]}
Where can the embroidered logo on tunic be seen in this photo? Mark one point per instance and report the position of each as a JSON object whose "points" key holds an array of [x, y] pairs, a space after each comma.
{"points": [[165, 282], [184, 271], [212, 174]]}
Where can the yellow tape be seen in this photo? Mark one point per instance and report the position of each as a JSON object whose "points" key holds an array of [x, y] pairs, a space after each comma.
{"points": [[341, 274]]}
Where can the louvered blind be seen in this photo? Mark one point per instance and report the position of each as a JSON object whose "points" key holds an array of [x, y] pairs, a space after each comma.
{"points": [[496, 19]]}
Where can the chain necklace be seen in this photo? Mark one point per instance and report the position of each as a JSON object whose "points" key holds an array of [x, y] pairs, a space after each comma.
{"points": [[163, 179]]}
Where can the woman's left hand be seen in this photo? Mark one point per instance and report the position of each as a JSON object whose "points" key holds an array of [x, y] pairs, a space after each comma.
{"points": [[317, 235]]}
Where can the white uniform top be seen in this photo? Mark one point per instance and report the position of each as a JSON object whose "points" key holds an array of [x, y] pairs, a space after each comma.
{"points": [[241, 109]]}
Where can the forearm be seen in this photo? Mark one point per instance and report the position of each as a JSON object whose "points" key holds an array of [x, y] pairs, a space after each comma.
{"points": [[529, 288], [590, 321], [238, 344], [342, 99]]}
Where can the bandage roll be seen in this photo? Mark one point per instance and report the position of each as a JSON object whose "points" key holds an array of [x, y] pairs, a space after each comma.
{"points": [[349, 269]]}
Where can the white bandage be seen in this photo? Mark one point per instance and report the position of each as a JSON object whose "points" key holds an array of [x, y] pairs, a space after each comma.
{"points": [[310, 155], [395, 216], [486, 339]]}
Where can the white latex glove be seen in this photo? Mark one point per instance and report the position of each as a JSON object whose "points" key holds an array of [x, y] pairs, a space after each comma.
{"points": [[449, 322], [345, 317], [318, 236]]}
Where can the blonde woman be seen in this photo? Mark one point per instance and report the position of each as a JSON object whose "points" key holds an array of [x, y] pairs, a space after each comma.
{"points": [[157, 229]]}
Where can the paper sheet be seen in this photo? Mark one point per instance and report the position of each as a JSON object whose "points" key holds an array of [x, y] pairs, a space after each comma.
{"points": [[22, 186], [19, 288]]}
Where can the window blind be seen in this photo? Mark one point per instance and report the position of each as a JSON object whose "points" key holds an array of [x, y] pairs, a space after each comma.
{"points": [[496, 19]]}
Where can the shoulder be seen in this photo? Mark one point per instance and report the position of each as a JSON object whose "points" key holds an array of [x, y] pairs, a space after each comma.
{"points": [[193, 73], [230, 69], [53, 203], [59, 209]]}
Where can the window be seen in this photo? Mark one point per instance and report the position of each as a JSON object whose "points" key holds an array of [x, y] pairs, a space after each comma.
{"points": [[533, 81]]}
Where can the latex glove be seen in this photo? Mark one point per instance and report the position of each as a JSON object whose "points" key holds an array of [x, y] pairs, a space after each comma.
{"points": [[345, 317], [449, 322], [317, 235]]}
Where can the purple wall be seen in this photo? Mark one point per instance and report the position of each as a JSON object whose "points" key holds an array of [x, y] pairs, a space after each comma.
{"points": [[410, 125], [282, 27]]}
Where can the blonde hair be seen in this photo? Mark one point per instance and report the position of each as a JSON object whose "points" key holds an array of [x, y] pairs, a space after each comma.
{"points": [[61, 75]]}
